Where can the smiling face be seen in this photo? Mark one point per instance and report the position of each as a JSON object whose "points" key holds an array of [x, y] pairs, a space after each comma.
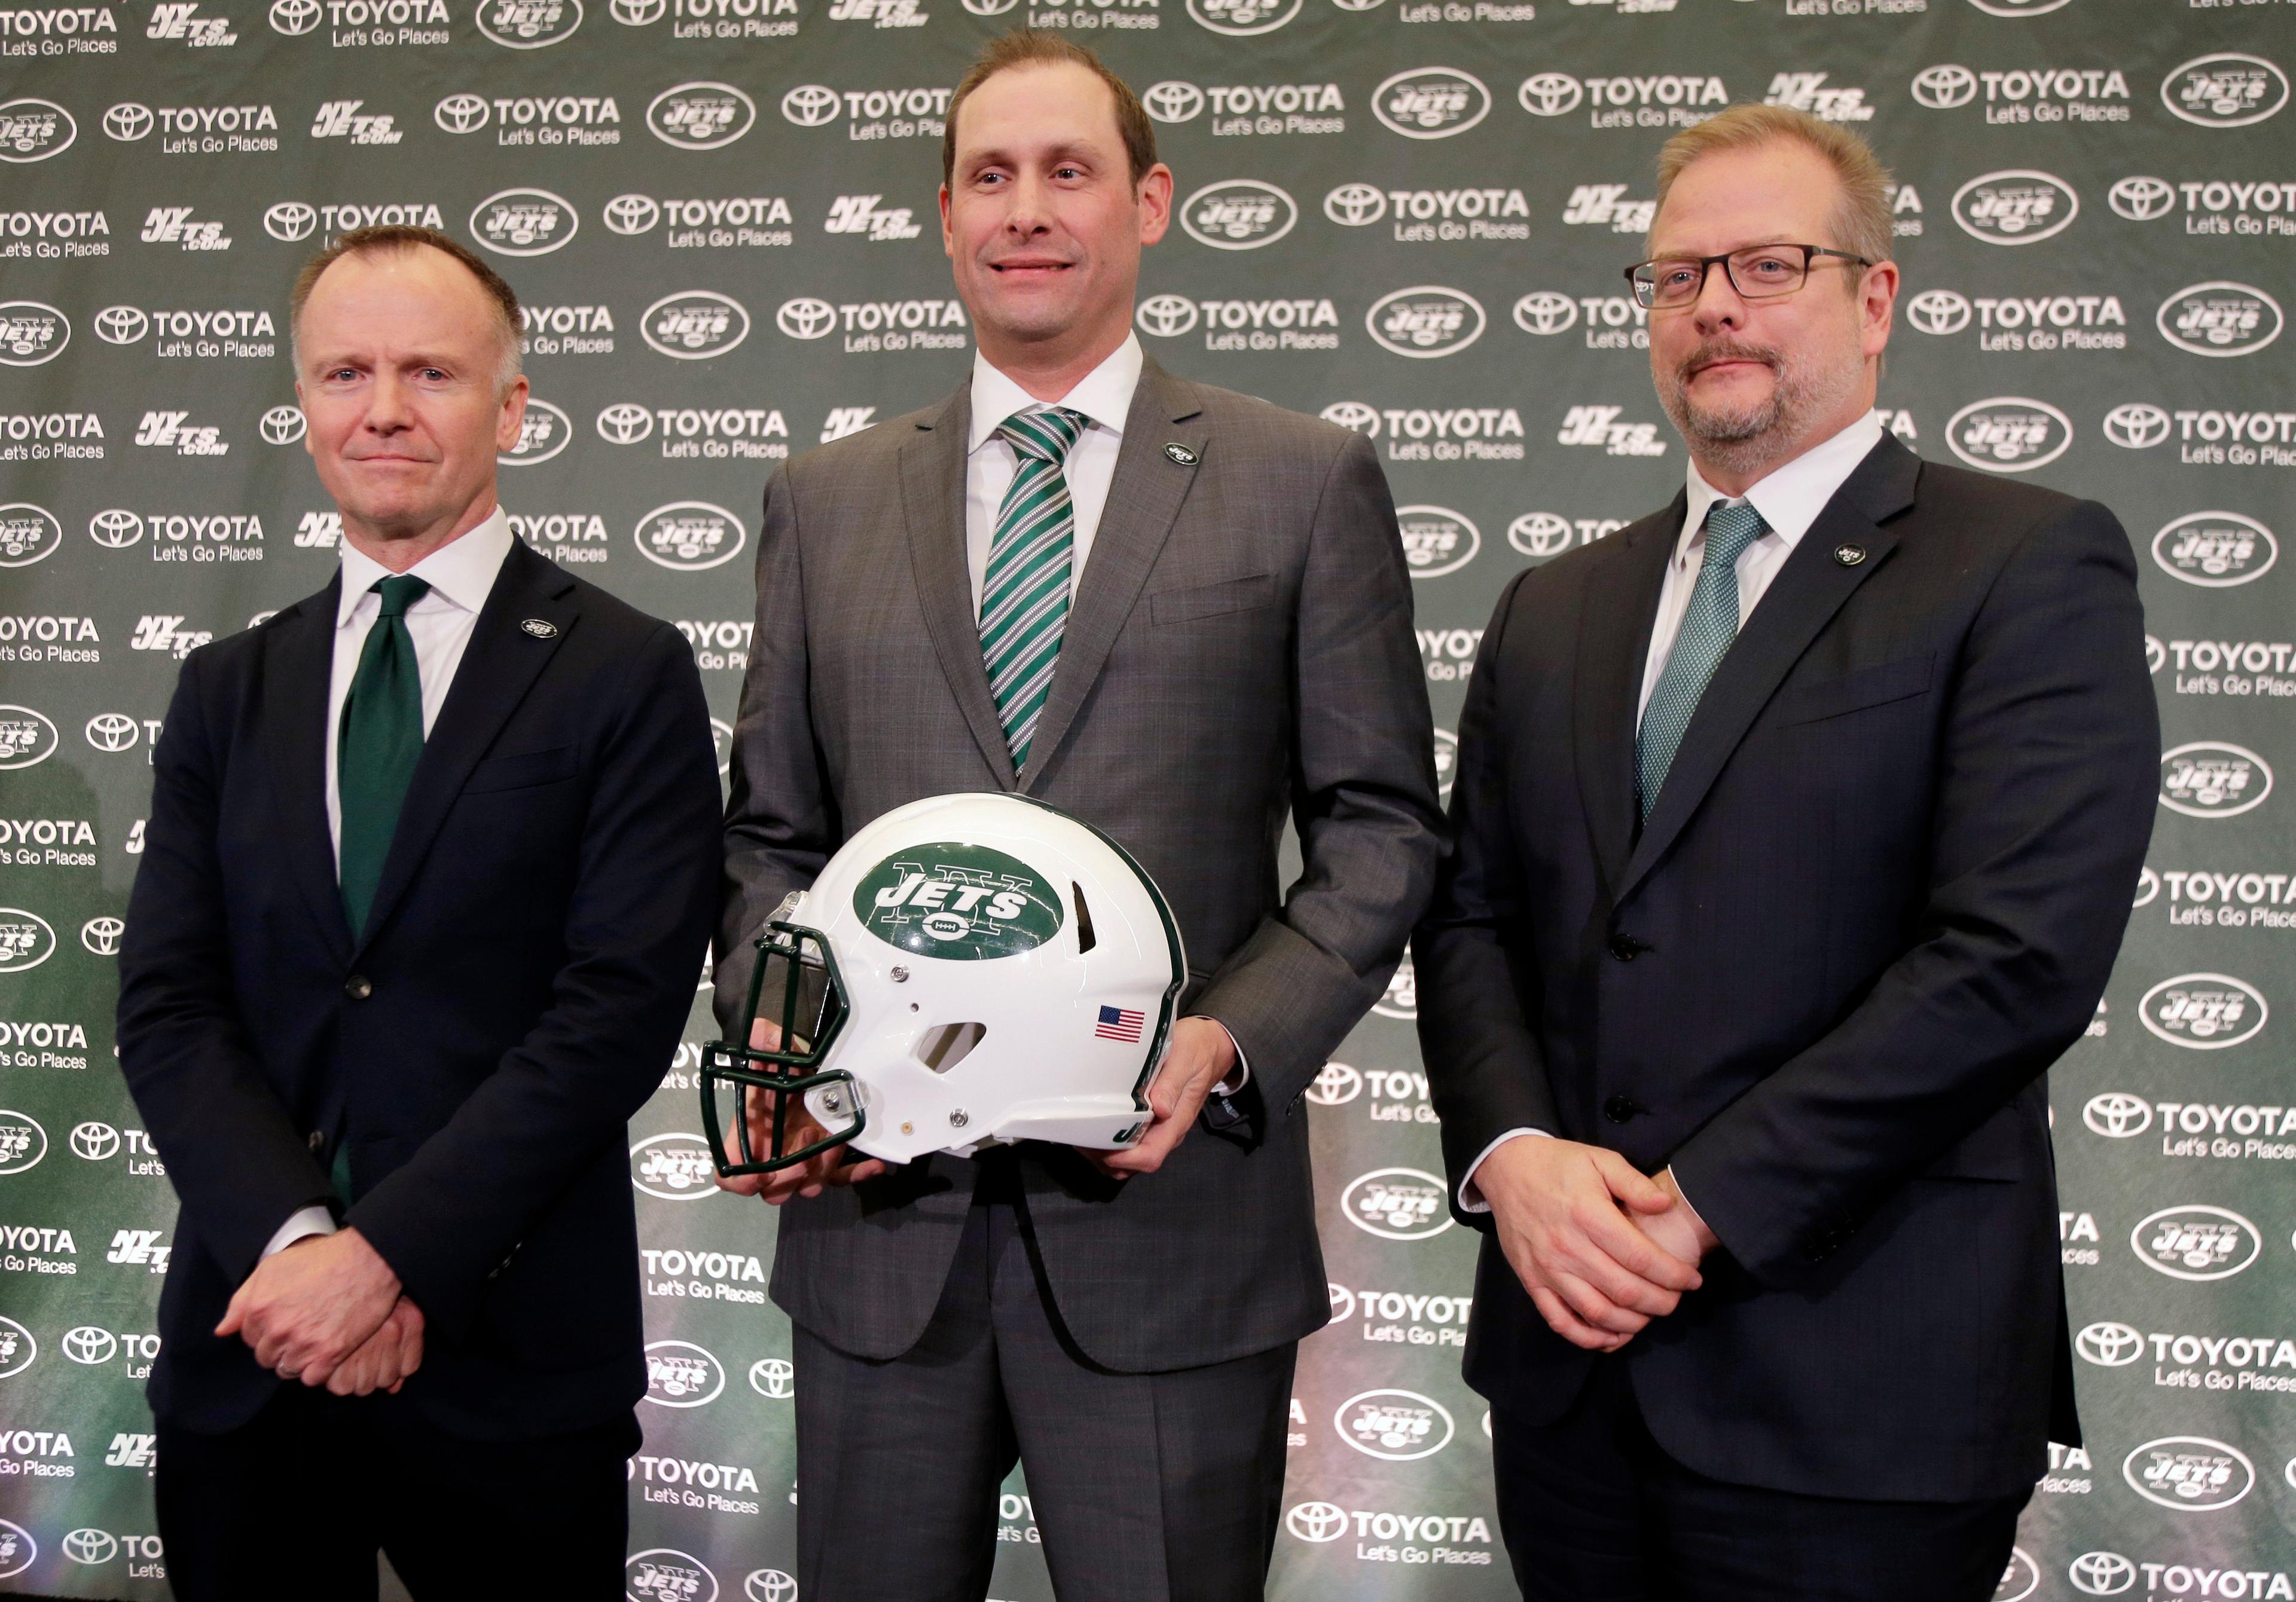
{"points": [[398, 371], [1752, 384], [1041, 219]]}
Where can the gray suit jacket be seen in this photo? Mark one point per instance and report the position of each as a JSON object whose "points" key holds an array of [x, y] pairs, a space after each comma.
{"points": [[1240, 650]]}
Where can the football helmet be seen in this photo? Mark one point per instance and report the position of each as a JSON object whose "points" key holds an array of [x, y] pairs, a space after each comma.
{"points": [[967, 970]]}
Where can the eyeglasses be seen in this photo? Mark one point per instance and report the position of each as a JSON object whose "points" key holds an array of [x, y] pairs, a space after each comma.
{"points": [[1757, 273]]}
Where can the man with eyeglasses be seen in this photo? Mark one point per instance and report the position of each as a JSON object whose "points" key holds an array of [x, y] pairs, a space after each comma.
{"points": [[1797, 825]]}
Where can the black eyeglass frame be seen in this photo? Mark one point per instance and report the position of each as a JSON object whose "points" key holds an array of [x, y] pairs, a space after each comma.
{"points": [[1706, 265]]}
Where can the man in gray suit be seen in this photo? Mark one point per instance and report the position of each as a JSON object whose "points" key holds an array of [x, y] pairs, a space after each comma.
{"points": [[1217, 632]]}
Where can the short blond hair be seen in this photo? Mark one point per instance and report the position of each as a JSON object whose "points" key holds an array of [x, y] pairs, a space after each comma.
{"points": [[1862, 217]]}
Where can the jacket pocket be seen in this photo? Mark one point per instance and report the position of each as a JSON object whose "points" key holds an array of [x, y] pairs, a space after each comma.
{"points": [[521, 769], [1897, 680], [1212, 600]]}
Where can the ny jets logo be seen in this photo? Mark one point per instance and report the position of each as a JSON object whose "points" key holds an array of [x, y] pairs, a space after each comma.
{"points": [[960, 902]]}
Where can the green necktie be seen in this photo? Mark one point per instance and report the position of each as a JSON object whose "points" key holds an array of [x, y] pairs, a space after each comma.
{"points": [[1708, 627], [380, 743], [1024, 593]]}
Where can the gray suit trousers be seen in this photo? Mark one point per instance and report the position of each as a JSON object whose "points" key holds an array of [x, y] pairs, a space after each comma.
{"points": [[1144, 1487]]}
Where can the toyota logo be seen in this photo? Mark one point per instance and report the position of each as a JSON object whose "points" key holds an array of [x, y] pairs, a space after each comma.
{"points": [[120, 325], [1943, 87], [1549, 93], [810, 106], [291, 220], [1317, 1522], [96, 1142], [806, 318], [89, 1346], [294, 16], [989, 8], [625, 423], [100, 936], [89, 1546], [1165, 316], [112, 732], [1353, 205], [2102, 1573], [769, 1585], [1353, 414], [128, 121], [632, 213], [2109, 1345], [2136, 425], [2140, 200], [773, 1377], [115, 529], [1546, 312], [1173, 100], [638, 13], [1335, 1085], [1939, 312], [461, 113], [2117, 1115], [1343, 1301], [282, 425], [1540, 534]]}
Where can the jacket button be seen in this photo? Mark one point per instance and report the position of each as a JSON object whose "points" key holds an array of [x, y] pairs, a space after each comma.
{"points": [[1618, 1109], [1626, 948], [358, 987]]}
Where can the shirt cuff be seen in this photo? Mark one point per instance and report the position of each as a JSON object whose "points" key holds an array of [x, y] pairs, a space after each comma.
{"points": [[304, 1221], [1686, 1205], [1471, 1200], [1239, 1076]]}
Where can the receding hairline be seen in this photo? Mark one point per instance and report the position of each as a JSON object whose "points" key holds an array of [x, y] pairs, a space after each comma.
{"points": [[500, 301], [1860, 213]]}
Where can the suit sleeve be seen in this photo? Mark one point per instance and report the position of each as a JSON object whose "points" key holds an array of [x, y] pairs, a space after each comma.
{"points": [[233, 1153], [781, 822], [1363, 796], [636, 926], [2047, 773], [1485, 1072]]}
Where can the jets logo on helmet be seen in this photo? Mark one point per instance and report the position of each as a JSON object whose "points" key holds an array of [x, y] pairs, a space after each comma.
{"points": [[967, 969]]}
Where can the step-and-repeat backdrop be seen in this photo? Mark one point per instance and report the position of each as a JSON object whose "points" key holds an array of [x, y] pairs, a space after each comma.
{"points": [[1408, 215]]}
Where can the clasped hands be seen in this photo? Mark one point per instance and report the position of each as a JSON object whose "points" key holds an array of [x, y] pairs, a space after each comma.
{"points": [[1200, 1055], [1602, 1247], [328, 1310]]}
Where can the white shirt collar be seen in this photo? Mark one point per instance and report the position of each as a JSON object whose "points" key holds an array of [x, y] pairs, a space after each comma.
{"points": [[461, 571], [1789, 497], [1104, 395]]}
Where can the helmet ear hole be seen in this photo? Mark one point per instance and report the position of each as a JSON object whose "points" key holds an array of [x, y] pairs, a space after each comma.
{"points": [[945, 1045], [1085, 938]]}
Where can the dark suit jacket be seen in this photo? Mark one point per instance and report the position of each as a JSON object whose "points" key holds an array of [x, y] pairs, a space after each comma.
{"points": [[1240, 653], [1881, 893], [527, 969]]}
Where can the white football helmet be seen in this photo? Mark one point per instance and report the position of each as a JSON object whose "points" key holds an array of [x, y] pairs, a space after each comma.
{"points": [[966, 970]]}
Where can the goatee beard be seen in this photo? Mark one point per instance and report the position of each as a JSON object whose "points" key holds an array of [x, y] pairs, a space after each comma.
{"points": [[1744, 439]]}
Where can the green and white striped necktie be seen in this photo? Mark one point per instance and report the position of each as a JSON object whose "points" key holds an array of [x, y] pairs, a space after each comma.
{"points": [[1024, 594], [1709, 626]]}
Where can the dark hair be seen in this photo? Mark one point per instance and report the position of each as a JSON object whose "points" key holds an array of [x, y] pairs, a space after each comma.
{"points": [[398, 238], [1027, 48]]}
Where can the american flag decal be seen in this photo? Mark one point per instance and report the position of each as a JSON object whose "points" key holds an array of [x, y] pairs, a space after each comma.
{"points": [[1118, 1023]]}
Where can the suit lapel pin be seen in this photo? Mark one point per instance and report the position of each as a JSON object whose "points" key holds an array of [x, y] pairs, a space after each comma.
{"points": [[1849, 556], [1181, 453], [541, 628]]}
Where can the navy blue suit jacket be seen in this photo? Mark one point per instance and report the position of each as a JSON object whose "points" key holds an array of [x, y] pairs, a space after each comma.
{"points": [[1881, 892], [526, 972]]}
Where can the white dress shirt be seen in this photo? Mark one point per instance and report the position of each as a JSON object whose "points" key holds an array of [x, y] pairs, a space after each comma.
{"points": [[1789, 499], [460, 573], [1104, 395]]}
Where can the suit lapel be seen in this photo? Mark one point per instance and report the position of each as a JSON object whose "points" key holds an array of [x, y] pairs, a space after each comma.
{"points": [[1143, 499], [499, 665], [299, 665], [1804, 597], [1612, 643], [932, 499]]}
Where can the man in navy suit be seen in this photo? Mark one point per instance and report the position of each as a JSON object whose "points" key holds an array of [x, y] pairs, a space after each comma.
{"points": [[430, 871], [1796, 830]]}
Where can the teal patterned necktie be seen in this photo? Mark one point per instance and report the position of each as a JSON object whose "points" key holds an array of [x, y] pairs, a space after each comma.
{"points": [[1708, 628], [1024, 594], [380, 742]]}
